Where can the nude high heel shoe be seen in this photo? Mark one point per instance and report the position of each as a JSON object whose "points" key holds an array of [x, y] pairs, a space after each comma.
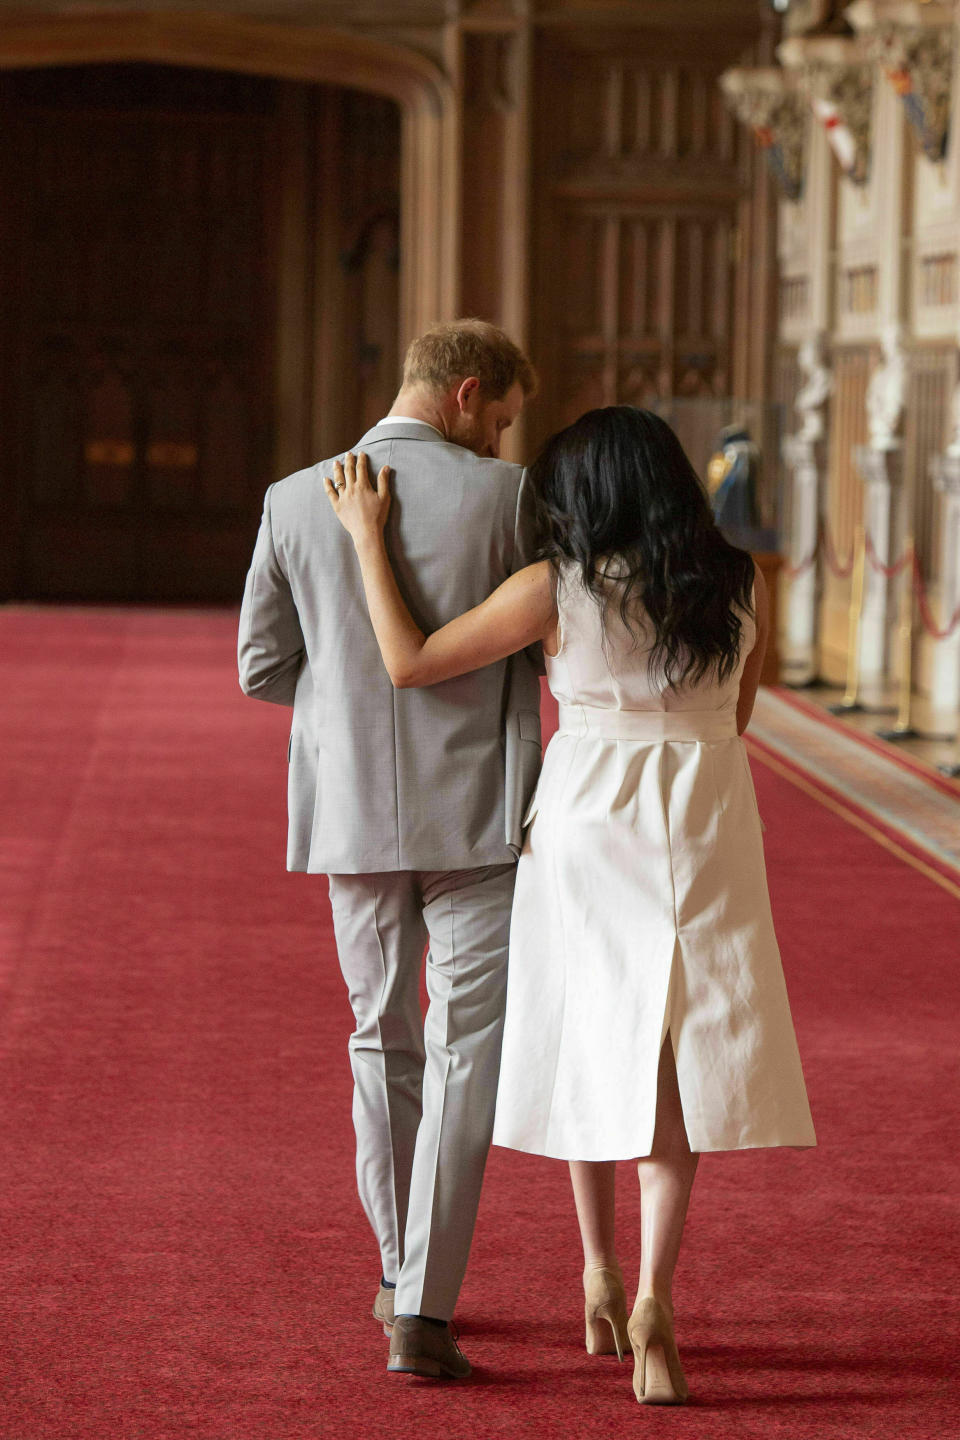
{"points": [[605, 1308], [658, 1377]]}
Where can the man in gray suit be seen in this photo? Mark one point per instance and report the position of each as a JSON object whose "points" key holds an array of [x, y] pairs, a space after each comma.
{"points": [[411, 801]]}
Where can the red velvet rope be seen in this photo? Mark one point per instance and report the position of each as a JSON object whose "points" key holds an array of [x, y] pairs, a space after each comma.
{"points": [[842, 569], [926, 614], [891, 571], [793, 572]]}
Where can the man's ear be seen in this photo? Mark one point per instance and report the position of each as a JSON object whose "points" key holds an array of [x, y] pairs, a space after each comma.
{"points": [[468, 392]]}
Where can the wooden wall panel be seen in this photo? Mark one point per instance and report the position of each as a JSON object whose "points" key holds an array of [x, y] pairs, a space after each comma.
{"points": [[640, 189], [852, 366], [848, 429], [368, 203], [933, 377]]}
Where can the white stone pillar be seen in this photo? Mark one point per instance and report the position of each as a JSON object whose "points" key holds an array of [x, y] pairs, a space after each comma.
{"points": [[804, 453], [945, 690], [881, 465], [882, 471], [804, 461], [912, 43]]}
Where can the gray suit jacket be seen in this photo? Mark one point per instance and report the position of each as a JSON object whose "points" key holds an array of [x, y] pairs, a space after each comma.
{"points": [[384, 779]]}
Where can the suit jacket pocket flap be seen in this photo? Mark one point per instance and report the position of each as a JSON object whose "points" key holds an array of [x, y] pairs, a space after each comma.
{"points": [[529, 725]]}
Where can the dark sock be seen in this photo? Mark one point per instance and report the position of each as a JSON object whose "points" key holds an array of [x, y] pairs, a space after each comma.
{"points": [[387, 1284]]}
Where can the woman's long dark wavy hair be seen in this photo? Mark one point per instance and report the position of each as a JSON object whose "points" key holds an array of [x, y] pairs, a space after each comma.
{"points": [[616, 486]]}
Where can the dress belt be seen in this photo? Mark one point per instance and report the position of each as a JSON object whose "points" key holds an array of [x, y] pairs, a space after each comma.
{"points": [[651, 726]]}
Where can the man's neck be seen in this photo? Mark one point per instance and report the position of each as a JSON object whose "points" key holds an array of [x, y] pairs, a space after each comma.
{"points": [[419, 407]]}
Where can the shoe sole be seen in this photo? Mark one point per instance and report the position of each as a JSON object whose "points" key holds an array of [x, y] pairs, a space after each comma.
{"points": [[424, 1366], [659, 1388]]}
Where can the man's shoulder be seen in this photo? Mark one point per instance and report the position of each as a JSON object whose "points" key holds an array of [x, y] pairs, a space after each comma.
{"points": [[439, 454], [433, 452], [310, 475]]}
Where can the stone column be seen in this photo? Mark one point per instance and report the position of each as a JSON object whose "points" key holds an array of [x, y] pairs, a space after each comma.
{"points": [[806, 464], [881, 465], [913, 46], [804, 452], [882, 471], [945, 693]]}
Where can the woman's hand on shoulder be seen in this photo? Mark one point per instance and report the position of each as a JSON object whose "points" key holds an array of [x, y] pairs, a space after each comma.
{"points": [[360, 506]]}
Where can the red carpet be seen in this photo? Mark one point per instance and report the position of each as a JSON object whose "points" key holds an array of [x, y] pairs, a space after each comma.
{"points": [[182, 1251]]}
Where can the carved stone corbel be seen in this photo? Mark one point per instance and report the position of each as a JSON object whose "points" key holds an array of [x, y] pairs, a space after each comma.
{"points": [[768, 100], [914, 45], [837, 78], [805, 15]]}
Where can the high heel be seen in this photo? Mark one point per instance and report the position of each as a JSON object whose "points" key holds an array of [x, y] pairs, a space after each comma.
{"points": [[658, 1377], [605, 1308]]}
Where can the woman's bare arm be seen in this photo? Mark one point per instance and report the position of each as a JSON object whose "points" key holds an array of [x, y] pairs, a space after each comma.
{"points": [[519, 612], [750, 679]]}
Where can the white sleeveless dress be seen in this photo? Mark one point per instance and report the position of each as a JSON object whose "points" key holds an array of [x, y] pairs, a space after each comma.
{"points": [[641, 909]]}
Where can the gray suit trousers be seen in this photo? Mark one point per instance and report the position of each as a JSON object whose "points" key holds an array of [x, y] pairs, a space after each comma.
{"points": [[424, 1091]]}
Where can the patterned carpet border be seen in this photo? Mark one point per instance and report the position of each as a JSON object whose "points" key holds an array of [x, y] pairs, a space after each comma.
{"points": [[902, 800]]}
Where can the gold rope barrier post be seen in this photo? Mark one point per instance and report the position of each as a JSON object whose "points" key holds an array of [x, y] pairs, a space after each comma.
{"points": [[850, 704], [903, 728]]}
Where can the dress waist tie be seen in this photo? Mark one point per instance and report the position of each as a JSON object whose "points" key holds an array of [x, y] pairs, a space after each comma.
{"points": [[651, 727]]}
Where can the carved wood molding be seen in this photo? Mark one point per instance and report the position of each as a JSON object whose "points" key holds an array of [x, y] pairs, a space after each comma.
{"points": [[664, 186], [328, 55], [679, 15], [318, 54]]}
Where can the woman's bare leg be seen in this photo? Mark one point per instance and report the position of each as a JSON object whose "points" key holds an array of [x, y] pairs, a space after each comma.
{"points": [[605, 1301], [666, 1180], [594, 1190]]}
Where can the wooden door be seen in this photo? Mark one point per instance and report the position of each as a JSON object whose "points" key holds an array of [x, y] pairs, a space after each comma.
{"points": [[138, 282]]}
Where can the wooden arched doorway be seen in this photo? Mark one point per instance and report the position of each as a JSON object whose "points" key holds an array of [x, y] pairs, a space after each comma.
{"points": [[186, 323]]}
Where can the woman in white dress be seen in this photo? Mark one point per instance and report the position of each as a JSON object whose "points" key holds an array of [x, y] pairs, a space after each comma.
{"points": [[647, 1016]]}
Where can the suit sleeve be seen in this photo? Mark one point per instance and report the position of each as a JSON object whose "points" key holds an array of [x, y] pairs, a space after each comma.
{"points": [[525, 527], [525, 542], [270, 648]]}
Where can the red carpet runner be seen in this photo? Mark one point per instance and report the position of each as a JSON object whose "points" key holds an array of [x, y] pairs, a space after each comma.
{"points": [[182, 1251]]}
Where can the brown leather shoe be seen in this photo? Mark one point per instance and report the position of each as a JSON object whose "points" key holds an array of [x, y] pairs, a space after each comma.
{"points": [[383, 1309], [419, 1348]]}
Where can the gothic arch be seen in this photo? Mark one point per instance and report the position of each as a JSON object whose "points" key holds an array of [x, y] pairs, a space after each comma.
{"points": [[308, 53]]}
